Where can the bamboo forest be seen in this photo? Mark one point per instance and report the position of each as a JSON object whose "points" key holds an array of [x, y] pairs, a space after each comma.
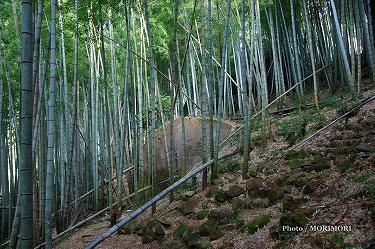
{"points": [[187, 124]]}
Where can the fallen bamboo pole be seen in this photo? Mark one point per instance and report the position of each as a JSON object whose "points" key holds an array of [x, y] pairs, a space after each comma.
{"points": [[279, 97], [94, 215], [362, 103]]}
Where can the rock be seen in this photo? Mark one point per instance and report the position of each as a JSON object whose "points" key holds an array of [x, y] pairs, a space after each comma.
{"points": [[173, 244], [316, 167], [258, 223], [201, 214], [180, 230], [190, 205], [351, 142], [159, 230], [344, 150], [203, 244], [188, 194], [310, 187], [220, 195], [235, 190], [336, 143], [336, 136], [275, 194], [146, 239], [191, 238], [354, 126], [298, 218], [300, 179], [128, 228], [370, 122], [282, 179], [294, 154], [210, 229], [330, 156], [150, 232], [366, 147], [164, 222], [292, 204], [259, 203], [262, 193], [228, 227], [219, 213], [238, 203], [253, 184], [294, 163], [139, 229], [226, 245], [252, 171]]}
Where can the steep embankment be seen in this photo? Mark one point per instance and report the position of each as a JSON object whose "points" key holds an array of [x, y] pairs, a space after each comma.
{"points": [[330, 181]]}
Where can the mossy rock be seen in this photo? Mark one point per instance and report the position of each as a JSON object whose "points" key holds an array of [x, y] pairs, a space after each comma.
{"points": [[292, 204], [294, 154], [164, 222], [235, 190], [294, 163], [239, 203], [220, 195], [146, 239], [253, 171], [190, 205], [211, 230], [343, 166], [180, 230], [282, 179], [191, 238], [275, 194], [173, 244], [338, 242], [203, 244], [201, 214], [256, 224], [310, 187], [301, 178], [259, 203], [128, 228], [369, 192], [253, 184], [219, 213], [296, 219]]}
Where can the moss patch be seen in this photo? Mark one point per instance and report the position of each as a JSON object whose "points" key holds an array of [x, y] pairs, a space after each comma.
{"points": [[259, 222], [181, 230], [220, 195], [201, 214]]}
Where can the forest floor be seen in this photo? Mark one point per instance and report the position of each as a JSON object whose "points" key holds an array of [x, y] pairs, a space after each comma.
{"points": [[329, 181]]}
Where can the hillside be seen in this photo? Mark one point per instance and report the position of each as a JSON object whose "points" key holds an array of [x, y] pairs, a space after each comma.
{"points": [[329, 181]]}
